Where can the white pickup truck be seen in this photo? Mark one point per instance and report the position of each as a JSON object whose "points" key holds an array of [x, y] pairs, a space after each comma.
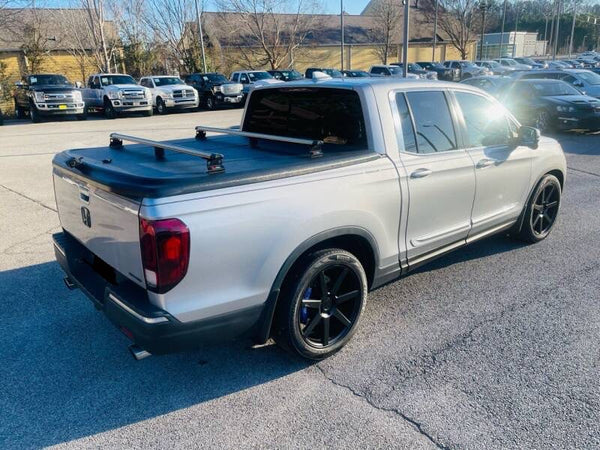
{"points": [[279, 228], [114, 94]]}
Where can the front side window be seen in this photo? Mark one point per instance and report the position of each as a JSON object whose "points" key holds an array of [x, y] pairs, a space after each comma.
{"points": [[485, 121], [433, 122]]}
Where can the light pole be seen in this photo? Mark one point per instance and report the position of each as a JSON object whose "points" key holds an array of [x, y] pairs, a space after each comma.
{"points": [[572, 29], [502, 30], [435, 20], [405, 38], [199, 24], [556, 35], [483, 6], [342, 33]]}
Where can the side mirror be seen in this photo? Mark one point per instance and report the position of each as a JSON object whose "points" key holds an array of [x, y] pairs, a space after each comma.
{"points": [[577, 83], [529, 136], [78, 84], [19, 84]]}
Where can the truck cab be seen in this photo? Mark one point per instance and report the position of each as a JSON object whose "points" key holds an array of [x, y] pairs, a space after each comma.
{"points": [[45, 95]]}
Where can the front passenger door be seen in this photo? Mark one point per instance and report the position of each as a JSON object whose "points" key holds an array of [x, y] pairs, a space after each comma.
{"points": [[502, 168], [440, 175]]}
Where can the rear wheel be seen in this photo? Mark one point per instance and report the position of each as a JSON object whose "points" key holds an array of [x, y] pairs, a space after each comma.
{"points": [[542, 210], [323, 304]]}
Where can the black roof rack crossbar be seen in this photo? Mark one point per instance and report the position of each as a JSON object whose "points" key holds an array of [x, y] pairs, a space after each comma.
{"points": [[314, 145], [214, 161]]}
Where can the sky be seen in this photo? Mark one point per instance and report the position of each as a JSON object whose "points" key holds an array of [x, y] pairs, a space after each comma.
{"points": [[330, 6]]}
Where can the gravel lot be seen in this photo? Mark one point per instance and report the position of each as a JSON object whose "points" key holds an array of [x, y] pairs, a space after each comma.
{"points": [[495, 346]]}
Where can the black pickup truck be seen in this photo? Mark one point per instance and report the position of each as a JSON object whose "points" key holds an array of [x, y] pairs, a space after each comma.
{"points": [[39, 95], [215, 90]]}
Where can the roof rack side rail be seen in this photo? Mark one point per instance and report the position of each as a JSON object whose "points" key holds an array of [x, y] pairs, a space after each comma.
{"points": [[214, 161], [314, 145]]}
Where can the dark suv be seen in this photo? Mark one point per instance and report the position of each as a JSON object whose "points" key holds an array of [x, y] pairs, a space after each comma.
{"points": [[40, 95], [215, 90], [286, 74]]}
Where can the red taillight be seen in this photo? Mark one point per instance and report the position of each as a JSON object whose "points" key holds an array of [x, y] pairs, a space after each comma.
{"points": [[165, 248]]}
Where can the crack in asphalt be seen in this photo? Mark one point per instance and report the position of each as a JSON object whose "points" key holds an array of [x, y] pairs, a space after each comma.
{"points": [[7, 250], [28, 198], [584, 171], [416, 425]]}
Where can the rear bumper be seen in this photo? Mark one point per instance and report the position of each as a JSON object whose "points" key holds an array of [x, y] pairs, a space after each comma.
{"points": [[126, 305]]}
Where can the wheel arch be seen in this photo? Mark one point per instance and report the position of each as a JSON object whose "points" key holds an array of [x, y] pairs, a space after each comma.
{"points": [[355, 240]]}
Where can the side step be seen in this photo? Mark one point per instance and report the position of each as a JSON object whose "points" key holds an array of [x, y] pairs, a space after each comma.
{"points": [[69, 283], [138, 352]]}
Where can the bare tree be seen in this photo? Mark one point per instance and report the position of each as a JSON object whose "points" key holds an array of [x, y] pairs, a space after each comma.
{"points": [[171, 21], [458, 19], [262, 33], [386, 30]]}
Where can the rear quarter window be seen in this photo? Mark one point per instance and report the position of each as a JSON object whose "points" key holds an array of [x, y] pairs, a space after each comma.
{"points": [[332, 115]]}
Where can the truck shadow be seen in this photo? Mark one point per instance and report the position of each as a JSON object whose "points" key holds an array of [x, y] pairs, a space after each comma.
{"points": [[66, 372]]}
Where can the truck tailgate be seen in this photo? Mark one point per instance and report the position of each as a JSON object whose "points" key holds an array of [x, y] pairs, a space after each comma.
{"points": [[105, 223]]}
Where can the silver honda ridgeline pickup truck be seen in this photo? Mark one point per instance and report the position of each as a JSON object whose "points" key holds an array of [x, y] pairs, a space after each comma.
{"points": [[280, 227]]}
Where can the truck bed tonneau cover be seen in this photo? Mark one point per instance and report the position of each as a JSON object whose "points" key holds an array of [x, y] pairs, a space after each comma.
{"points": [[135, 172]]}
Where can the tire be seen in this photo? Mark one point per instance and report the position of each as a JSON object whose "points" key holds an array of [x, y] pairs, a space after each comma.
{"points": [[542, 121], [109, 110], [19, 112], [541, 211], [161, 108], [210, 103], [83, 116], [316, 322], [34, 115]]}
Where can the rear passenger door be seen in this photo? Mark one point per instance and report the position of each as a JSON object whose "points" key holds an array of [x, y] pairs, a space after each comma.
{"points": [[502, 168], [440, 174]]}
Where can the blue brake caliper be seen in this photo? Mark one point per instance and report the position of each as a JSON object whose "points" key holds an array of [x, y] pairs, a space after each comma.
{"points": [[304, 310]]}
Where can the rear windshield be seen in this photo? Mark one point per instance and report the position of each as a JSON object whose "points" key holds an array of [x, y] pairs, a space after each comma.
{"points": [[332, 115]]}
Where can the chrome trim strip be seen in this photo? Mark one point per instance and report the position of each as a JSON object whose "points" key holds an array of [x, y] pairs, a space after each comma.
{"points": [[62, 252], [149, 320]]}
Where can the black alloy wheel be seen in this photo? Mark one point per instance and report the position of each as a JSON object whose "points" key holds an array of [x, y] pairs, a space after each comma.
{"points": [[542, 210], [322, 309]]}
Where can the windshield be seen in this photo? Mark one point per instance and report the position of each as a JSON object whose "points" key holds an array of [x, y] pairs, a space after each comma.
{"points": [[396, 70], [292, 74], [414, 66], [48, 80], [215, 78], [529, 61], [164, 81], [255, 76], [107, 80], [357, 74], [550, 89], [467, 64], [510, 62], [334, 73], [589, 77]]}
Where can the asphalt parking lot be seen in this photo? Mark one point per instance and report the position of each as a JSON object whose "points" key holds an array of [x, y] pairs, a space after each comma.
{"points": [[494, 346]]}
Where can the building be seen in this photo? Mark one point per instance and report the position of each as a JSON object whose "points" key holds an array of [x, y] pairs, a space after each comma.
{"points": [[232, 46], [514, 44]]}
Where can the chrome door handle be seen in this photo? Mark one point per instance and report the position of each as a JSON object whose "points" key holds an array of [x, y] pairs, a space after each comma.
{"points": [[485, 163], [420, 173]]}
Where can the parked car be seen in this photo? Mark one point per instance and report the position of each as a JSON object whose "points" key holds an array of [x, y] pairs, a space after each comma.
{"points": [[531, 63], [492, 84], [215, 90], [333, 73], [584, 80], [355, 74], [557, 65], [510, 62], [574, 64], [495, 67], [443, 73], [170, 92], [286, 74], [251, 78], [382, 70], [282, 229], [414, 68], [467, 69], [552, 104], [43, 95], [588, 63], [115, 94]]}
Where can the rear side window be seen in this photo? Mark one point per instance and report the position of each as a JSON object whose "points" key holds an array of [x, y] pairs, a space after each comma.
{"points": [[332, 115], [485, 121], [433, 122], [408, 132]]}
